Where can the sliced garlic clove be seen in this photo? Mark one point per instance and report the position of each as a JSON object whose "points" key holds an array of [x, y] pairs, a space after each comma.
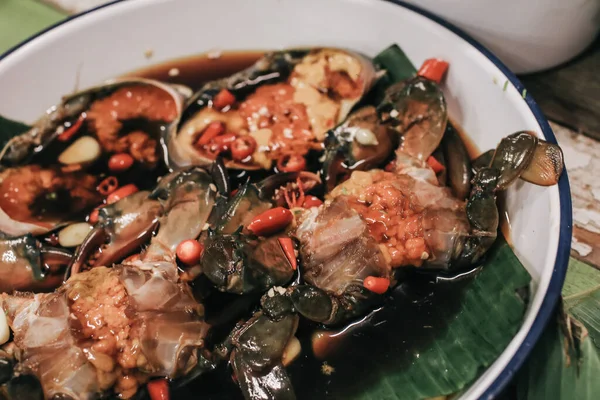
{"points": [[84, 150], [292, 351], [74, 234], [4, 330], [365, 137]]}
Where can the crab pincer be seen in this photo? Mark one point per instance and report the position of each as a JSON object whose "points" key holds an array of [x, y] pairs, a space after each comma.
{"points": [[28, 265], [520, 155]]}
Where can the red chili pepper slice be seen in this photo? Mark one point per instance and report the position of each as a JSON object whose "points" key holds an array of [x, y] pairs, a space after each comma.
{"points": [[270, 221], [288, 249], [223, 99], [121, 193], [243, 147], [213, 130], [435, 165], [158, 389], [224, 141], [311, 201], [291, 163], [70, 131], [376, 285], [433, 69], [107, 186], [93, 218]]}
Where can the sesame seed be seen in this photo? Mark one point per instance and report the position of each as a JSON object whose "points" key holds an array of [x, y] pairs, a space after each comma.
{"points": [[214, 54]]}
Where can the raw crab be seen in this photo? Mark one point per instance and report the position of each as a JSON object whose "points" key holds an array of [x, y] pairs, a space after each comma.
{"points": [[106, 328], [49, 180], [377, 220], [117, 327], [123, 114], [279, 107], [239, 261]]}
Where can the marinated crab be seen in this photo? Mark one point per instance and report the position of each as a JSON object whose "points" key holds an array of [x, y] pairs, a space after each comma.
{"points": [[280, 107], [114, 127], [124, 116], [109, 324], [106, 329], [400, 195], [239, 256], [377, 220], [180, 204]]}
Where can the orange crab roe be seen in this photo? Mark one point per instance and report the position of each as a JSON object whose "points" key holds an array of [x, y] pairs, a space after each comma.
{"points": [[274, 107], [393, 218]]}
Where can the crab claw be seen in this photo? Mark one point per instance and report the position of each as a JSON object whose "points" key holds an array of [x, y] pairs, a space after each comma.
{"points": [[28, 265], [93, 241], [242, 264], [122, 227], [520, 155], [258, 355], [417, 110], [360, 143]]}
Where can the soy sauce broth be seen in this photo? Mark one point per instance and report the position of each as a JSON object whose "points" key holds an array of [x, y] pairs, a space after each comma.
{"points": [[388, 338], [196, 70]]}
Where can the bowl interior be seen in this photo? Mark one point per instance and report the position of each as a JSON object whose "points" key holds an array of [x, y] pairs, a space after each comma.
{"points": [[120, 37]]}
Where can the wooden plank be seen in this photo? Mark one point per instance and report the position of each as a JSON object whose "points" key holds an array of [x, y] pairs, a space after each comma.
{"points": [[570, 94], [581, 158]]}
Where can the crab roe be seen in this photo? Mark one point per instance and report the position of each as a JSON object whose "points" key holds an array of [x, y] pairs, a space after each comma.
{"points": [[394, 218]]}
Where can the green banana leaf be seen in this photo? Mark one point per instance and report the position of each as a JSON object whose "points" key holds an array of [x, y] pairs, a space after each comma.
{"points": [[396, 63], [490, 314], [581, 297], [430, 339], [565, 363]]}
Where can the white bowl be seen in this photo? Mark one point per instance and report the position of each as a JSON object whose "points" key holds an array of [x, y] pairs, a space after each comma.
{"points": [[528, 36], [114, 39]]}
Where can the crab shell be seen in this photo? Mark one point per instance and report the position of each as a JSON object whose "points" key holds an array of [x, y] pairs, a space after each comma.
{"points": [[181, 144], [19, 150]]}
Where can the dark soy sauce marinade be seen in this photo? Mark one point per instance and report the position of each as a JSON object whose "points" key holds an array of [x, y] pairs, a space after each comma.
{"points": [[390, 337]]}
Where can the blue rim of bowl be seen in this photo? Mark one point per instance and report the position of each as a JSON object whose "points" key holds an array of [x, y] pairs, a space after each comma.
{"points": [[566, 213]]}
